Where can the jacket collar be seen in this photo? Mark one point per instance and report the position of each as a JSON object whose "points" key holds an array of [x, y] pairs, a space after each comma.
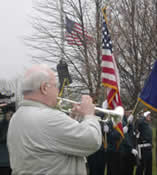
{"points": [[32, 103]]}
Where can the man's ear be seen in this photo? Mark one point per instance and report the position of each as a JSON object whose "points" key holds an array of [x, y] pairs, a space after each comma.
{"points": [[43, 88]]}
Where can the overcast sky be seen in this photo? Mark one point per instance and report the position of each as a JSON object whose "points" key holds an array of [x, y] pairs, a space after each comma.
{"points": [[14, 17]]}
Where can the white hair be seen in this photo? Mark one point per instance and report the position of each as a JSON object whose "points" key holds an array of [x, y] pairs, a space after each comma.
{"points": [[33, 81]]}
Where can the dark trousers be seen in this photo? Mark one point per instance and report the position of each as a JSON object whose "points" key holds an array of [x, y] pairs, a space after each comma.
{"points": [[96, 163], [145, 167], [113, 165], [5, 171], [127, 163]]}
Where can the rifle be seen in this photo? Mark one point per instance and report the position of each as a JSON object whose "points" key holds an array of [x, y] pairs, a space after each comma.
{"points": [[136, 144], [135, 132]]}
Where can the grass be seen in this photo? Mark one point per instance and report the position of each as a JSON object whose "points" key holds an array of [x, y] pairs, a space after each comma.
{"points": [[154, 146]]}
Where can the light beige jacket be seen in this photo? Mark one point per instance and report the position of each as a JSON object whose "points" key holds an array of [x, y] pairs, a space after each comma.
{"points": [[45, 141]]}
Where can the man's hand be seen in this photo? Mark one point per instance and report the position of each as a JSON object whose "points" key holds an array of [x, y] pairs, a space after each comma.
{"points": [[74, 113], [86, 107]]}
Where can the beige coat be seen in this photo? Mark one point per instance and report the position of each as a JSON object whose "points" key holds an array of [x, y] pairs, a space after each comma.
{"points": [[45, 141]]}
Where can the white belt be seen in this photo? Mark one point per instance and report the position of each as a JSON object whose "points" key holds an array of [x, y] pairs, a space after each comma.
{"points": [[144, 145]]}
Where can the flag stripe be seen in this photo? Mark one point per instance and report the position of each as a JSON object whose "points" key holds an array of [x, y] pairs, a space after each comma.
{"points": [[80, 34], [73, 39], [109, 78], [79, 29], [106, 52], [77, 44], [108, 70], [109, 73], [107, 64], [76, 34], [107, 58], [119, 128]]}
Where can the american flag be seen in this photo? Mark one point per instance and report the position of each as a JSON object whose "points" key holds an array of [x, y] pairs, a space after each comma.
{"points": [[75, 34], [110, 75]]}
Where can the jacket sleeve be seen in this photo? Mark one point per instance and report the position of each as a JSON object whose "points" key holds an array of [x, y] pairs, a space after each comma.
{"points": [[71, 137]]}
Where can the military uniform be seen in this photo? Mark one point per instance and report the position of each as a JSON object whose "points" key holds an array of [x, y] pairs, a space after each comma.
{"points": [[97, 161], [113, 154], [127, 159], [144, 147]]}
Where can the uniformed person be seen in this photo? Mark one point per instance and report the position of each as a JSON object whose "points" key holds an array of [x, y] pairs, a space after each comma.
{"points": [[113, 154], [127, 151], [98, 160], [145, 144]]}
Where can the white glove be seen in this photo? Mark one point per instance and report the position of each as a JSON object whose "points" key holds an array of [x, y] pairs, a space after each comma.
{"points": [[106, 128], [138, 135], [134, 152], [130, 118], [125, 129]]}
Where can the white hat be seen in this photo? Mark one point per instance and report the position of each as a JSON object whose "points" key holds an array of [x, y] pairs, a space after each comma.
{"points": [[146, 113]]}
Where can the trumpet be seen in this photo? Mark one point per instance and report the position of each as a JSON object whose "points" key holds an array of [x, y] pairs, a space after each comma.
{"points": [[117, 112]]}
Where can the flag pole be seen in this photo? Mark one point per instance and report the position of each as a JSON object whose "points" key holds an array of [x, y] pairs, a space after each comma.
{"points": [[62, 28], [133, 111]]}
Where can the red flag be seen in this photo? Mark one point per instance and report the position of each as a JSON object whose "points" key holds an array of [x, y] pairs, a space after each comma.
{"points": [[110, 75], [75, 33]]}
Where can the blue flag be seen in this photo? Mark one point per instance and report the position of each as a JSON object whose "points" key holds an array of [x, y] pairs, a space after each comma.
{"points": [[148, 95]]}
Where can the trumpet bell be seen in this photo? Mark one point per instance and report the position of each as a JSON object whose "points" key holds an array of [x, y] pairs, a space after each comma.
{"points": [[118, 111]]}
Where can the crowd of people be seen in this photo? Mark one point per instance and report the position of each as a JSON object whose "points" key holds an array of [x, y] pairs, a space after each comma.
{"points": [[42, 140], [125, 156]]}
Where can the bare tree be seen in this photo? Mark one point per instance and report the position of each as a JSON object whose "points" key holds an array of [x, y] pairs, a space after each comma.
{"points": [[85, 60], [134, 30], [133, 27]]}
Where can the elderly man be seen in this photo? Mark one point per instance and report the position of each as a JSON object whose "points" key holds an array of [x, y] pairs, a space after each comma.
{"points": [[45, 141]]}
